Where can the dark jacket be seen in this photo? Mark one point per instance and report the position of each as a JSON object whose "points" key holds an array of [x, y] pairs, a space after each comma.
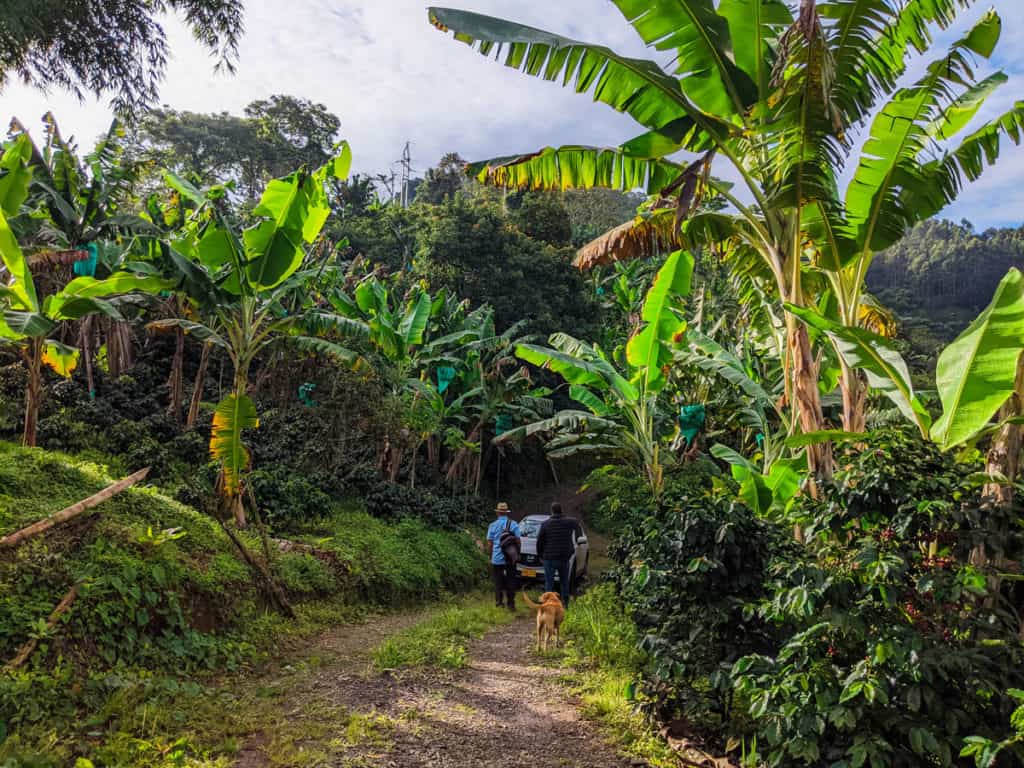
{"points": [[557, 538]]}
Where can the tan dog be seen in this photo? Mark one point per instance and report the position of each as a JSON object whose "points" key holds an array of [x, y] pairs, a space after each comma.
{"points": [[550, 613]]}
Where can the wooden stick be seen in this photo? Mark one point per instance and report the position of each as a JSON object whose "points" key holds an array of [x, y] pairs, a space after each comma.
{"points": [[74, 510], [28, 648]]}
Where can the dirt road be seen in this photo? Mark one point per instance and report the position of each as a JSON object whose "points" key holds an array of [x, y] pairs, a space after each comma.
{"points": [[506, 707]]}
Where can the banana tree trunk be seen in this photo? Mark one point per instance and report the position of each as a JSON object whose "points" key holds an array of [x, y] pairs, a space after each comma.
{"points": [[85, 344], [434, 455], [119, 349], [806, 398], [854, 400], [1003, 459], [412, 464], [1004, 454], [235, 500], [33, 392], [176, 380], [197, 387]]}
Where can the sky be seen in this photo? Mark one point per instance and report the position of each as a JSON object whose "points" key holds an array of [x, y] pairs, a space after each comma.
{"points": [[393, 78]]}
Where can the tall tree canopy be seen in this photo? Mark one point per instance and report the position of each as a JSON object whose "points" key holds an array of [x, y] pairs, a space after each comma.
{"points": [[108, 46], [275, 135]]}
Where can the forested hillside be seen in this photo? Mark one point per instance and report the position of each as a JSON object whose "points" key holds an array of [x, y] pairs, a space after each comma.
{"points": [[938, 277]]}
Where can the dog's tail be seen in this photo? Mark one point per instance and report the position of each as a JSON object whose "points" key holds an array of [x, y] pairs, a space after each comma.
{"points": [[530, 602]]}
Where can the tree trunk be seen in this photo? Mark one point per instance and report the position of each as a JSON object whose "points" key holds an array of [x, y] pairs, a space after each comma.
{"points": [[85, 344], [74, 510], [434, 456], [1003, 459], [1004, 455], [234, 500], [412, 464], [854, 400], [175, 382], [197, 387], [34, 391], [806, 398], [119, 349]]}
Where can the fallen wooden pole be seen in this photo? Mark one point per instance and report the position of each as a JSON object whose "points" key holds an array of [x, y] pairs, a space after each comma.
{"points": [[29, 648], [74, 510]]}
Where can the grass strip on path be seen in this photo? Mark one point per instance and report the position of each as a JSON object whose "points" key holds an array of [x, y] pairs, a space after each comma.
{"points": [[441, 641]]}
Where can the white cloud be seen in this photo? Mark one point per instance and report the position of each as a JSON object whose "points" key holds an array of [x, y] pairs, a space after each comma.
{"points": [[391, 78]]}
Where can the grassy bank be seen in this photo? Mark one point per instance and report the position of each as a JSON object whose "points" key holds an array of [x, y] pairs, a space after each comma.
{"points": [[165, 605], [605, 662]]}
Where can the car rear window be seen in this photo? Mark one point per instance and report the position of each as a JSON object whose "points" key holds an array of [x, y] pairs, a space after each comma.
{"points": [[530, 528]]}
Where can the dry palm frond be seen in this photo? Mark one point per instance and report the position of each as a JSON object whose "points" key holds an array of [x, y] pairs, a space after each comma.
{"points": [[52, 258], [636, 239], [874, 317]]}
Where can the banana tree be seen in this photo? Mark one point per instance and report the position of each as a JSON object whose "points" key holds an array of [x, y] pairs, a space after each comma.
{"points": [[409, 334], [238, 279], [622, 413], [505, 392], [80, 204], [772, 94], [904, 176], [28, 321]]}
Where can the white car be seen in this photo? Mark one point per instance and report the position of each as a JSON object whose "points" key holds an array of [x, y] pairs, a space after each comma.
{"points": [[530, 566]]}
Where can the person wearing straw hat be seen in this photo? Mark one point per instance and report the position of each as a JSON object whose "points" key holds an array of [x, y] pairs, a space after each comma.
{"points": [[503, 536]]}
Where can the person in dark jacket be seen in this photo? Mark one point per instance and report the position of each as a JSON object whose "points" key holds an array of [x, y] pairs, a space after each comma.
{"points": [[556, 543]]}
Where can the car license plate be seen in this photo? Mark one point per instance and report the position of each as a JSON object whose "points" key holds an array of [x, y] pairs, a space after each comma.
{"points": [[528, 573]]}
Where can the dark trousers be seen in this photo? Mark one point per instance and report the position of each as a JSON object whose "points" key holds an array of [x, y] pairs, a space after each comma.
{"points": [[504, 576], [560, 567]]}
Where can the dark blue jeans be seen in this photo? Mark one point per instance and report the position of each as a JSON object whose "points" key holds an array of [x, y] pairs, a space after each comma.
{"points": [[560, 567]]}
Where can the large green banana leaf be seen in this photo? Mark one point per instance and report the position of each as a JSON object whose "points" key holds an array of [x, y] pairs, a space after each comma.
{"points": [[573, 369], [198, 331], [584, 396], [561, 421], [635, 86], [703, 46], [976, 373], [315, 344], [21, 286], [648, 351], [294, 210], [578, 167], [871, 42], [710, 356], [755, 26], [234, 414], [16, 175], [900, 133], [27, 324], [944, 178], [414, 323]]}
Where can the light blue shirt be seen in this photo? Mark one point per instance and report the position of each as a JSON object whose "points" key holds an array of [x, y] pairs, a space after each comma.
{"points": [[494, 531]]}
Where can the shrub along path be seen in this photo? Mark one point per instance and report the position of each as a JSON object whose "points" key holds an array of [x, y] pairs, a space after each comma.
{"points": [[505, 706]]}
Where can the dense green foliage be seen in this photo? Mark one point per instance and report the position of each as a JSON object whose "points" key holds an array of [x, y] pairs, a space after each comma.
{"points": [[877, 641], [164, 593]]}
